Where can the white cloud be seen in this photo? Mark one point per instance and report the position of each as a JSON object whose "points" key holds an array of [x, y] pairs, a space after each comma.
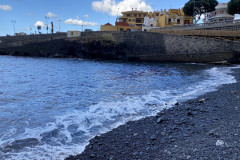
{"points": [[115, 8], [5, 7], [79, 22], [51, 15], [39, 23]]}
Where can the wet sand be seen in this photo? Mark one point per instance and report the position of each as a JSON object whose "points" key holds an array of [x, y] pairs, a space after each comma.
{"points": [[207, 129]]}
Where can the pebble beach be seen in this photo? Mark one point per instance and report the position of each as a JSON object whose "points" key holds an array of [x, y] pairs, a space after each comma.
{"points": [[206, 127]]}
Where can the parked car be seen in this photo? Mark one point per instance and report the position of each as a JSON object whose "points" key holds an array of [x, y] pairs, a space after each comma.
{"points": [[88, 30]]}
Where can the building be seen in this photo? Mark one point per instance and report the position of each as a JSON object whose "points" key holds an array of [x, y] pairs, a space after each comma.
{"points": [[164, 18], [150, 23], [20, 34], [129, 21], [71, 34], [173, 17], [219, 15], [139, 20]]}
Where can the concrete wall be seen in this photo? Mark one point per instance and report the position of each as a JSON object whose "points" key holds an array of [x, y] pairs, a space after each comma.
{"points": [[142, 46]]}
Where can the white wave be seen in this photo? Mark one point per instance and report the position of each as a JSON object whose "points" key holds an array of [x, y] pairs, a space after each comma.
{"points": [[103, 117]]}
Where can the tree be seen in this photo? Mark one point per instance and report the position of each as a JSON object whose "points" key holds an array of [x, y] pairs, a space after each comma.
{"points": [[196, 8], [234, 7]]}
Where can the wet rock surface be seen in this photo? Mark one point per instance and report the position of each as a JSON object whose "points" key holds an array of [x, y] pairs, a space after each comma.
{"points": [[19, 144], [190, 130]]}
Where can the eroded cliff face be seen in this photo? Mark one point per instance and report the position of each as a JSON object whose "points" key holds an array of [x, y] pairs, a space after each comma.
{"points": [[138, 46]]}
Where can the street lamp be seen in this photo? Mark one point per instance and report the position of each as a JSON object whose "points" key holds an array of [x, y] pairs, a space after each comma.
{"points": [[194, 8], [117, 19], [46, 17], [79, 18], [82, 27], [30, 30], [13, 21], [59, 20]]}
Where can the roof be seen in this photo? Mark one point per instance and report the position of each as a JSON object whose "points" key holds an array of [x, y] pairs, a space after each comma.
{"points": [[121, 24], [107, 24], [134, 11]]}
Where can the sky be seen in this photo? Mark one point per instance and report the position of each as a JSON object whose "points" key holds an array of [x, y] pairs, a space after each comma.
{"points": [[26, 15]]}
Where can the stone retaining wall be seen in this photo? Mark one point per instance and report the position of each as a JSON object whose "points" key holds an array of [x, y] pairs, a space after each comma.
{"points": [[142, 46]]}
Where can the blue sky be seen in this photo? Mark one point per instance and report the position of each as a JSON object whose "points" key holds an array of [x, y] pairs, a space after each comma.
{"points": [[74, 14]]}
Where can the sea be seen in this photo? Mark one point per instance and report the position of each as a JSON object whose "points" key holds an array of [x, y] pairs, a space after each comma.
{"points": [[51, 108]]}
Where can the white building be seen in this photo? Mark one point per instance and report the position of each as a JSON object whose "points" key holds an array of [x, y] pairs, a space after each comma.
{"points": [[219, 15], [150, 23], [71, 34], [237, 17]]}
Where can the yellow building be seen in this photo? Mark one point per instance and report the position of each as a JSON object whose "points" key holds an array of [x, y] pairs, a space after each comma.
{"points": [[136, 20], [108, 27], [173, 17], [129, 21], [133, 18]]}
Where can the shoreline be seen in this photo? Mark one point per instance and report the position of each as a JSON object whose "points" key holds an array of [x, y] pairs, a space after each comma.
{"points": [[190, 130]]}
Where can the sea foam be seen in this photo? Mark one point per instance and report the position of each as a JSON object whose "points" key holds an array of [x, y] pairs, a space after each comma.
{"points": [[71, 132]]}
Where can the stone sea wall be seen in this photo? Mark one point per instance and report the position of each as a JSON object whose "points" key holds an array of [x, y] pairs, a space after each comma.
{"points": [[137, 46]]}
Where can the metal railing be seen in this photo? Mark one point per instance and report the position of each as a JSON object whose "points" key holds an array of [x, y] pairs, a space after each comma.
{"points": [[204, 25]]}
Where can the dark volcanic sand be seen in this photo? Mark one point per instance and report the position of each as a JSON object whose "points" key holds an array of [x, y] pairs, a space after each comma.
{"points": [[187, 131]]}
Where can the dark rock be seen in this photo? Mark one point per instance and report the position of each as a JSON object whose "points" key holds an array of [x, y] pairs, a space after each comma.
{"points": [[135, 153], [202, 101], [234, 92], [160, 120], [153, 137], [163, 133], [20, 144], [92, 155]]}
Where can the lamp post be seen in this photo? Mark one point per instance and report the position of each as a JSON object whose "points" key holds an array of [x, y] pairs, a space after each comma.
{"points": [[46, 17], [82, 27], [194, 8], [13, 22], [59, 23], [117, 19]]}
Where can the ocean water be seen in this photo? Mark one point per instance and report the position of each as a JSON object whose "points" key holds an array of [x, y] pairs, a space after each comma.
{"points": [[51, 108]]}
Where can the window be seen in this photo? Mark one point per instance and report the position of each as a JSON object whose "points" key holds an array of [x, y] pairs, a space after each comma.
{"points": [[178, 20], [124, 20], [133, 20], [128, 15], [139, 15], [169, 19], [139, 21], [129, 20], [135, 15], [71, 33]]}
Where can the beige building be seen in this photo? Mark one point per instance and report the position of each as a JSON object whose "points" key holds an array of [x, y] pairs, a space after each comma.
{"points": [[108, 27], [71, 34], [173, 17]]}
